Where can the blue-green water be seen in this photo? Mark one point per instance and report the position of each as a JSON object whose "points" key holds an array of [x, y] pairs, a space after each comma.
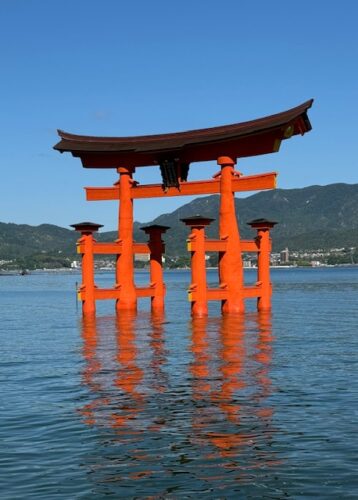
{"points": [[142, 407]]}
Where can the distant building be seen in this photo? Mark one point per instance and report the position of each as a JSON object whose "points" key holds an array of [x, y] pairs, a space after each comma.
{"points": [[142, 257], [315, 263], [285, 256]]}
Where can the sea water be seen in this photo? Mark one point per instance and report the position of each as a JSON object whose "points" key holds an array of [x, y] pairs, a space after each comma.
{"points": [[263, 406]]}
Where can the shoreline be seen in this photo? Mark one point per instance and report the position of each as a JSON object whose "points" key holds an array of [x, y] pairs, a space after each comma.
{"points": [[108, 271]]}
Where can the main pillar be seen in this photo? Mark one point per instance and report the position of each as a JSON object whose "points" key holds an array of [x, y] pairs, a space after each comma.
{"points": [[87, 288], [230, 262], [125, 264], [263, 239], [156, 246], [196, 245]]}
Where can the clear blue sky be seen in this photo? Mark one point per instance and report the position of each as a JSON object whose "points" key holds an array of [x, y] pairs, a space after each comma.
{"points": [[114, 67]]}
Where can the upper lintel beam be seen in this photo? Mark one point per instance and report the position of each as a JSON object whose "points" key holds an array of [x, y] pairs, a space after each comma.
{"points": [[238, 140]]}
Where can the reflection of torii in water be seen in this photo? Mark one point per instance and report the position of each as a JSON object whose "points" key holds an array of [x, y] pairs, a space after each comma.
{"points": [[112, 366], [222, 387], [230, 417], [173, 153], [112, 370]]}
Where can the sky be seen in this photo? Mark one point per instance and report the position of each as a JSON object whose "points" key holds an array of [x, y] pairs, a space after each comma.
{"points": [[121, 68]]}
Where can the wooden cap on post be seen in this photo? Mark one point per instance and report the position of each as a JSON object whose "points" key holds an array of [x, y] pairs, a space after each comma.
{"points": [[86, 227], [197, 221], [154, 227], [262, 224]]}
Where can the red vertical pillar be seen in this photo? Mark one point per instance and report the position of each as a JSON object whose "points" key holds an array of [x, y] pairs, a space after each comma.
{"points": [[196, 245], [230, 262], [263, 227], [125, 264], [156, 246], [85, 246]]}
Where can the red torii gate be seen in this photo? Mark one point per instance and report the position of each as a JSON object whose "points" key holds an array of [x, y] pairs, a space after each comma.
{"points": [[174, 153]]}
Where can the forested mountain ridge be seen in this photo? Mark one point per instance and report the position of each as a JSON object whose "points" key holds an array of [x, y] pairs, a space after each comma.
{"points": [[308, 218]]}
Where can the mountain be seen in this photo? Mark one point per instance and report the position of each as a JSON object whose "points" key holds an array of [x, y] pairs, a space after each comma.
{"points": [[30, 247], [19, 240], [308, 218]]}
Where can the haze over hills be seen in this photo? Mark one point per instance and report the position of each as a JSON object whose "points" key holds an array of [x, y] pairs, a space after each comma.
{"points": [[308, 218]]}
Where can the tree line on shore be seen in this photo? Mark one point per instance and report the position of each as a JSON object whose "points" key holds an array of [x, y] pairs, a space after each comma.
{"points": [[316, 217]]}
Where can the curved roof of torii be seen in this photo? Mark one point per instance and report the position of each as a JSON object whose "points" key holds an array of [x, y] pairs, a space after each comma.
{"points": [[244, 139]]}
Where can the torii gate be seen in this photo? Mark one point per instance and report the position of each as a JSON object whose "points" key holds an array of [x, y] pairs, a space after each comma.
{"points": [[174, 153]]}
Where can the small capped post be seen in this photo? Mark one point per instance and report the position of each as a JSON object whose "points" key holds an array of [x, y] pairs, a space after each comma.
{"points": [[86, 227], [157, 249], [263, 227], [197, 293], [86, 292]]}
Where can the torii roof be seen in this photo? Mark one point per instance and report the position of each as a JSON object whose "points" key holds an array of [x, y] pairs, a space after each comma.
{"points": [[244, 139]]}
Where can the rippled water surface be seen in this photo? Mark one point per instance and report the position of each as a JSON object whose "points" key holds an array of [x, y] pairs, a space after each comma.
{"points": [[263, 406]]}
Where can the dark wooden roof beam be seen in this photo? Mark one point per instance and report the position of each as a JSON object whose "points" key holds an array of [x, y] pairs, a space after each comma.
{"points": [[255, 137]]}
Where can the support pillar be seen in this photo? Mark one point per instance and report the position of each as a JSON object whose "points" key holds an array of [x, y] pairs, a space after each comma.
{"points": [[263, 239], [156, 246], [196, 245], [230, 262], [125, 264], [87, 289]]}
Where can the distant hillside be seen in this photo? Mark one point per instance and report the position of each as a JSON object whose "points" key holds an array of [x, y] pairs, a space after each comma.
{"points": [[18, 240], [308, 218], [44, 246]]}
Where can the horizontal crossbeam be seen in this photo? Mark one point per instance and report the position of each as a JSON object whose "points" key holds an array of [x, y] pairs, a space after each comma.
{"points": [[221, 246], [114, 293], [210, 245], [244, 183], [114, 248], [222, 293], [249, 246]]}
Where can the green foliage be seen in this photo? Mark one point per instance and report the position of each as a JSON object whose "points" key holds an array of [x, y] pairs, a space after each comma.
{"points": [[213, 259], [302, 263], [183, 261], [316, 217], [139, 264], [313, 217], [345, 257], [24, 240]]}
